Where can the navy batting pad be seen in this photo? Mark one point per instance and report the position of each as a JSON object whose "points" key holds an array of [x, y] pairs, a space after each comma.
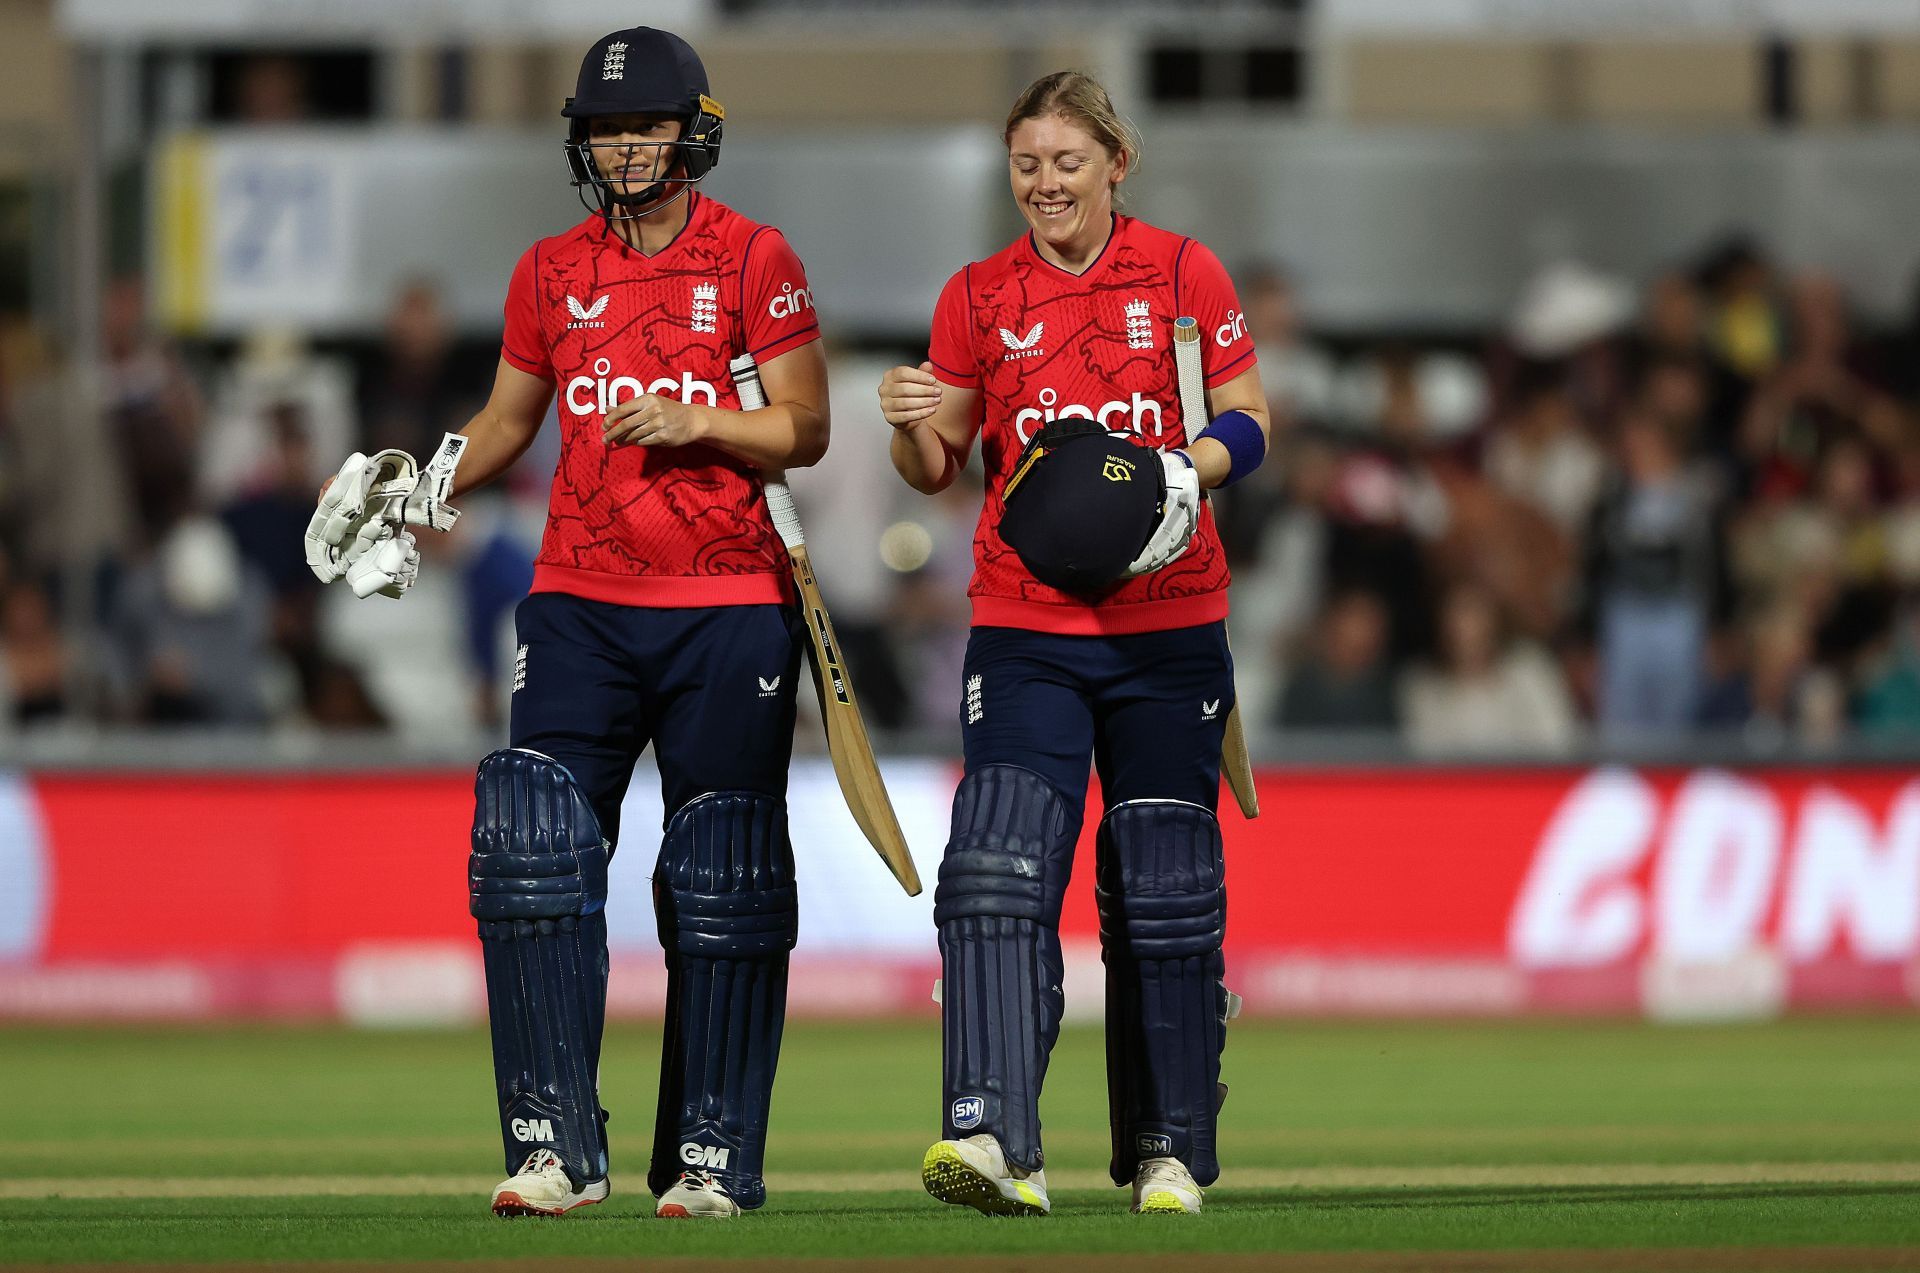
{"points": [[724, 895], [998, 911], [538, 880], [1161, 890]]}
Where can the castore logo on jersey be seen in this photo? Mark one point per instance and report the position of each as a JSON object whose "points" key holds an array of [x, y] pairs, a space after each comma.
{"points": [[1116, 416], [1027, 346], [790, 301], [587, 315], [606, 393]]}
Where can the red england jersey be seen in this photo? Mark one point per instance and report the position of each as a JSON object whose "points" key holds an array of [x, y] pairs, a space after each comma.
{"points": [[656, 526], [1040, 344]]}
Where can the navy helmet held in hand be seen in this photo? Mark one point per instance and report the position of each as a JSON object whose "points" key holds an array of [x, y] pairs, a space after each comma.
{"points": [[1080, 505]]}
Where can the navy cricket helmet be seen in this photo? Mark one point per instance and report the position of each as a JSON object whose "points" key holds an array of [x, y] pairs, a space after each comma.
{"points": [[642, 71], [1081, 504]]}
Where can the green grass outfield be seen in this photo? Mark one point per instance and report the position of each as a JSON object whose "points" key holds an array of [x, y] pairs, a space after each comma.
{"points": [[1346, 1146]]}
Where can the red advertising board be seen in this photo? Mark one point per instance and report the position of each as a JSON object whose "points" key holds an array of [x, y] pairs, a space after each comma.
{"points": [[1669, 892]]}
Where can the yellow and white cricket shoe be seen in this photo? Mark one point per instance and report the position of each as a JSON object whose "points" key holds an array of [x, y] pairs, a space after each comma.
{"points": [[975, 1173], [698, 1195], [1164, 1186], [541, 1188]]}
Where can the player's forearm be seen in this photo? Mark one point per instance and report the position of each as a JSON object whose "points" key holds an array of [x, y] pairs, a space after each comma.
{"points": [[1236, 409], [781, 435], [1211, 462], [493, 444], [922, 459]]}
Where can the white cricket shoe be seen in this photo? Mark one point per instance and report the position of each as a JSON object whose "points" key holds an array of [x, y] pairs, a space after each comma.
{"points": [[541, 1188], [697, 1195], [1164, 1186], [975, 1173]]}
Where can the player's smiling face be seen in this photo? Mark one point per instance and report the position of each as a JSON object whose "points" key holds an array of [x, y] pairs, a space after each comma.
{"points": [[633, 151], [1063, 180]]}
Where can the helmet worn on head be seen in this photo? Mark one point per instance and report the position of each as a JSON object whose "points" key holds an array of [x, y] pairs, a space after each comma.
{"points": [[642, 70], [1080, 505]]}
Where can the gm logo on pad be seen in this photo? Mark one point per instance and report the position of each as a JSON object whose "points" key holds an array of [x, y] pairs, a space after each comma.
{"points": [[532, 1129], [968, 1111], [708, 1156], [1148, 1145]]}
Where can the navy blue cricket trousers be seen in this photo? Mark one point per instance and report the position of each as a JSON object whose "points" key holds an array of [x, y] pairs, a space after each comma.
{"points": [[710, 688], [1150, 708]]}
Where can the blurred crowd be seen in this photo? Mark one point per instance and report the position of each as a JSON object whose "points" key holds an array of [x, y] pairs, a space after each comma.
{"points": [[1636, 514], [1640, 510]]}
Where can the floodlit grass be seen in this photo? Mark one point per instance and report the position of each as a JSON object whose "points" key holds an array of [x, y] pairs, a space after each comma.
{"points": [[1493, 1137]]}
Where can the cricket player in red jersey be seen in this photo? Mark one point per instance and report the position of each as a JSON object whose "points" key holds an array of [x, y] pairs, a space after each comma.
{"points": [[661, 612], [1098, 632]]}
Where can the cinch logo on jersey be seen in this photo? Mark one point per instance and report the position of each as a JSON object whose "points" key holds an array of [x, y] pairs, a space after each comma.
{"points": [[606, 393], [586, 315], [968, 1111], [790, 301], [1027, 346], [1115, 416], [1233, 329], [532, 1129], [704, 1156]]}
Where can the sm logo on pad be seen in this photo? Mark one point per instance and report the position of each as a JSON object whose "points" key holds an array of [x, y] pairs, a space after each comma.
{"points": [[968, 1111]]}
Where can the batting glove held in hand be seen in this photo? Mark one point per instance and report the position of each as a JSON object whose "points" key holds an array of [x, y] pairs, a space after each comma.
{"points": [[358, 495], [1179, 515], [360, 528], [388, 563]]}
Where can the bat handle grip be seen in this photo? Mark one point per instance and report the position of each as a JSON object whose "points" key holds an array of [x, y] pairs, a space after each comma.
{"points": [[746, 382], [786, 519]]}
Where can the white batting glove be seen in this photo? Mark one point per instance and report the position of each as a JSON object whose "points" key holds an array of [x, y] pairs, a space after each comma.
{"points": [[367, 488], [388, 563], [360, 528], [335, 520], [1179, 515], [426, 503]]}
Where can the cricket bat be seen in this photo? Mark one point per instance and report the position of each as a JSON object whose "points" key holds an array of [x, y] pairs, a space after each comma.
{"points": [[1193, 407], [847, 741]]}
